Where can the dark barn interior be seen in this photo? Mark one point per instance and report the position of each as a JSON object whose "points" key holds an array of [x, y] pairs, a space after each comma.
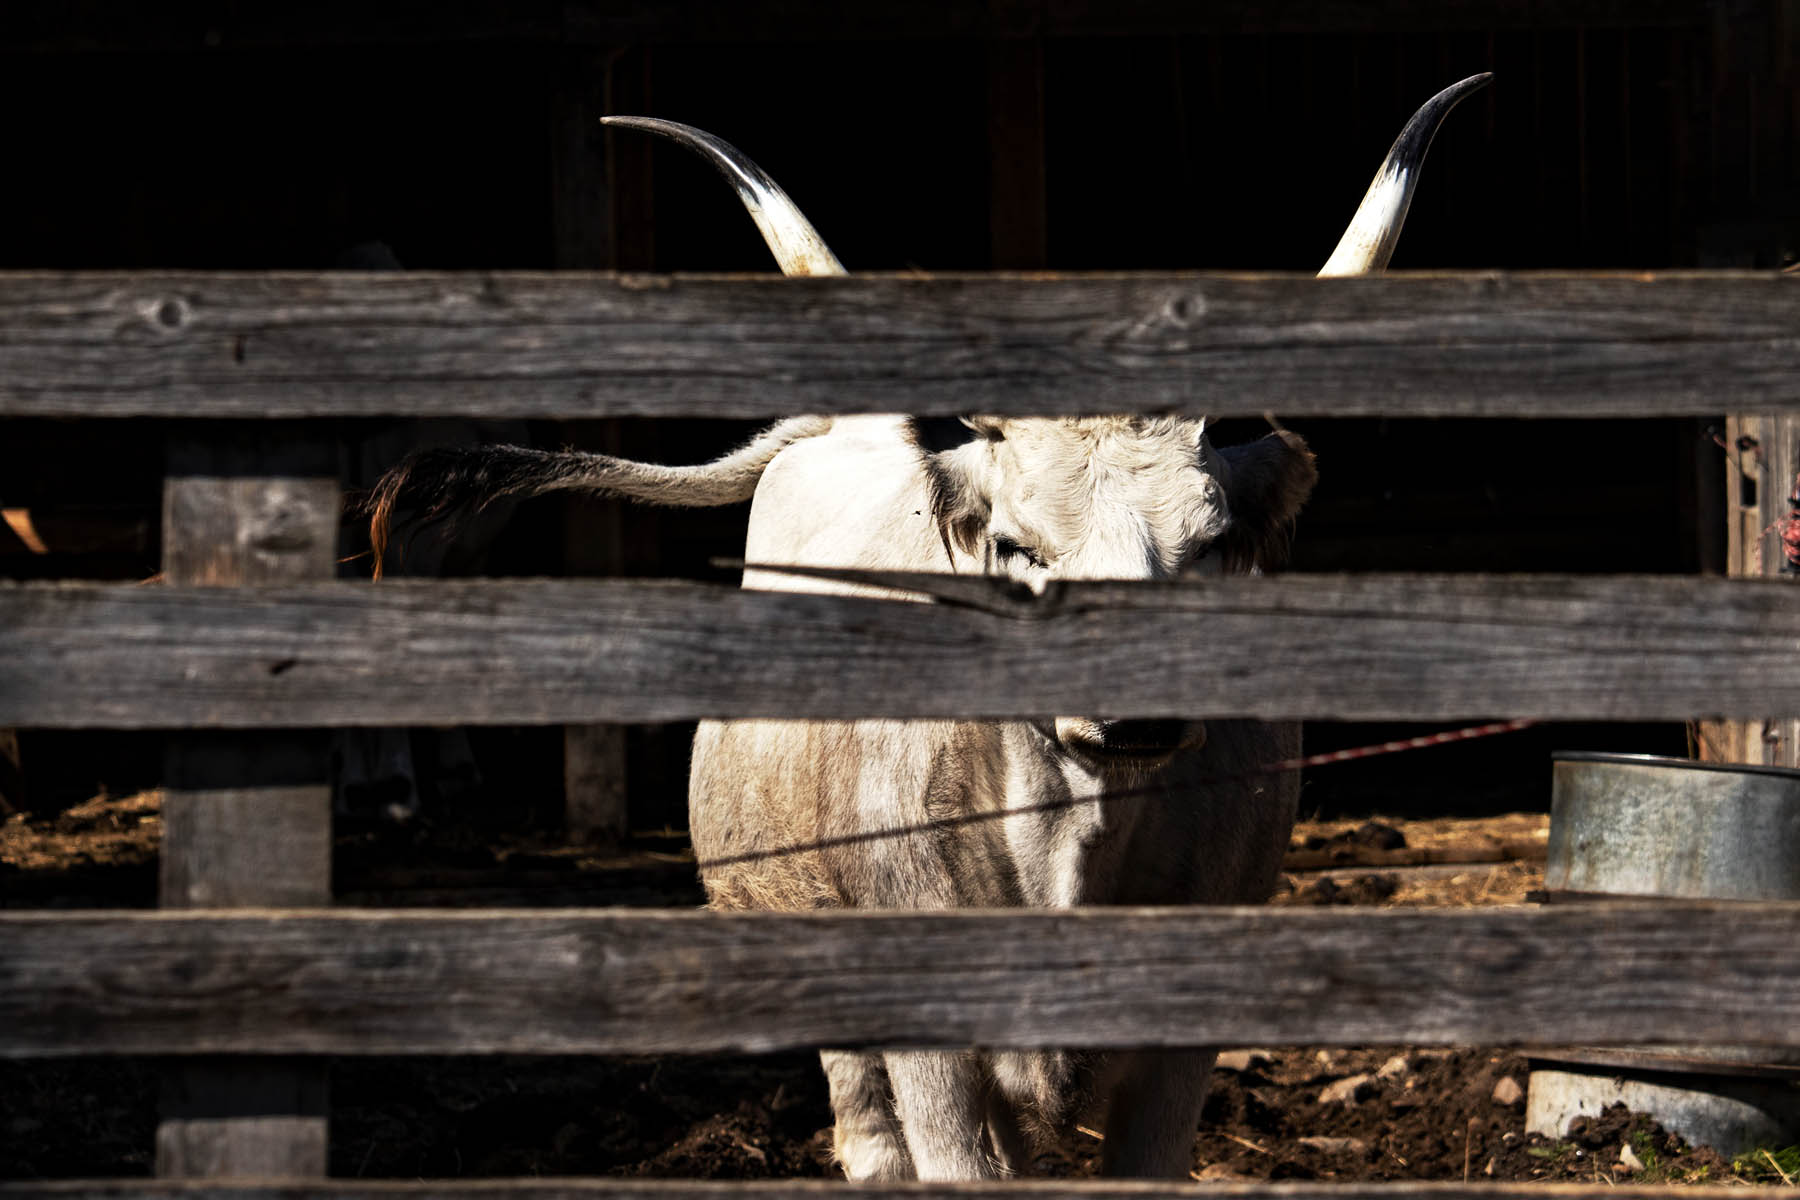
{"points": [[977, 135], [1021, 137]]}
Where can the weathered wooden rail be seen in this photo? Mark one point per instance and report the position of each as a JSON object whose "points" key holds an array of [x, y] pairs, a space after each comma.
{"points": [[249, 639], [540, 651], [711, 1189], [599, 982], [569, 345]]}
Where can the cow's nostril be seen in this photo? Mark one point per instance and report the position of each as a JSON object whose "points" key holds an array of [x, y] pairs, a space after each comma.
{"points": [[1143, 737]]}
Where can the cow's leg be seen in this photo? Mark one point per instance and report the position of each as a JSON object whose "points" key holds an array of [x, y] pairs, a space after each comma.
{"points": [[941, 1100], [865, 1134], [1153, 1112], [1006, 1138]]}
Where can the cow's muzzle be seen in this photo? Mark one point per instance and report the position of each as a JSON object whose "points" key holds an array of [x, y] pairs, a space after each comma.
{"points": [[1138, 743]]}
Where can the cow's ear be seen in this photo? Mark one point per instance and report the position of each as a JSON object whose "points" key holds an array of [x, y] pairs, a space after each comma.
{"points": [[1269, 479], [956, 454]]}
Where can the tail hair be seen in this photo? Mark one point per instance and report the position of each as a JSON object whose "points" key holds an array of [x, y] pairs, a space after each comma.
{"points": [[435, 484]]}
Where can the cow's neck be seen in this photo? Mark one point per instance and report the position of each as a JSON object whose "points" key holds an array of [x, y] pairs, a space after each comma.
{"points": [[1068, 822]]}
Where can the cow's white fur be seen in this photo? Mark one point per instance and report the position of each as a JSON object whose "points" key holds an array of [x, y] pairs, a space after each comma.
{"points": [[876, 814], [1094, 499]]}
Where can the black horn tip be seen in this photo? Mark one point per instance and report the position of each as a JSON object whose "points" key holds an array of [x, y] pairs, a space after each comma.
{"points": [[1410, 147], [734, 163], [1460, 89]]}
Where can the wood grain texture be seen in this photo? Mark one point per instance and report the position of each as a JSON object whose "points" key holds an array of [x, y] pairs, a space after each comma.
{"points": [[1763, 475], [12, 774], [247, 818], [561, 652], [246, 821], [596, 803], [248, 1118], [606, 981], [827, 1189], [249, 505], [573, 345]]}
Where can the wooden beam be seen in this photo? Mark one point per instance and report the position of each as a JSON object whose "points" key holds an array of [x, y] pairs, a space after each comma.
{"points": [[596, 800], [569, 345], [610, 981], [1763, 474], [1018, 201], [582, 217], [830, 1189], [1751, 185], [593, 216], [12, 774], [559, 652], [57, 27], [246, 821]]}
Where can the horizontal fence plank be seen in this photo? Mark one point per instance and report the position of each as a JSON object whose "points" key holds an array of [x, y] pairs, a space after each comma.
{"points": [[557, 652], [604, 981], [719, 1189], [576, 345]]}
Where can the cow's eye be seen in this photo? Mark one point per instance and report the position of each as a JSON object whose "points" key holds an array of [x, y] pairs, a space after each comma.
{"points": [[1006, 549], [1196, 563]]}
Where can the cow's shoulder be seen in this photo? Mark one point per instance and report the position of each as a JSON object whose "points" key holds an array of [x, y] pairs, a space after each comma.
{"points": [[855, 497]]}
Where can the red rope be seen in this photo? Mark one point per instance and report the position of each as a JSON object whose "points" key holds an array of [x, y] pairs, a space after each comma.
{"points": [[1415, 743]]}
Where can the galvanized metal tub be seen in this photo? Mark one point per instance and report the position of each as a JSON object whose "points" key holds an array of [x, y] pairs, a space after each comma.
{"points": [[1625, 825], [1639, 825]]}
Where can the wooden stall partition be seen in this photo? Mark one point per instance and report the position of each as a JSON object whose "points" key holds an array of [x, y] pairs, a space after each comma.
{"points": [[1327, 647], [609, 981], [253, 507], [600, 224], [247, 817], [574, 345], [1762, 485]]}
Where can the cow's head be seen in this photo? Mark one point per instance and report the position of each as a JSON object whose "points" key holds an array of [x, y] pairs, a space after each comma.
{"points": [[1105, 497], [1040, 498], [1120, 498]]}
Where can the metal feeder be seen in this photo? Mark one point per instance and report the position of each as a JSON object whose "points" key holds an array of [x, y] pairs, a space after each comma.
{"points": [[1628, 826]]}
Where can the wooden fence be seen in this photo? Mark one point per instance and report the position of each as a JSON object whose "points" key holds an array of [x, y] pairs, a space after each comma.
{"points": [[249, 643]]}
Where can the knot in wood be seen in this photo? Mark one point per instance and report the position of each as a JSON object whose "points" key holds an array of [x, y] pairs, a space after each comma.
{"points": [[1166, 317], [166, 313], [1185, 309]]}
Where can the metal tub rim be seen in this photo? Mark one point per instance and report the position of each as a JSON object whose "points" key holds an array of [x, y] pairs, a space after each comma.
{"points": [[1662, 760]]}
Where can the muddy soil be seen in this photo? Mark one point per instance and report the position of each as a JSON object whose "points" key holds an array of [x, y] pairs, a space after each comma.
{"points": [[1276, 1113]]}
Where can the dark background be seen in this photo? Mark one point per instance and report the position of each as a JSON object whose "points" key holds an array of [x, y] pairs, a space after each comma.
{"points": [[957, 137]]}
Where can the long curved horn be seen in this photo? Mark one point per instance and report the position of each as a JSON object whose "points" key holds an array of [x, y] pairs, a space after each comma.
{"points": [[797, 246], [1369, 240]]}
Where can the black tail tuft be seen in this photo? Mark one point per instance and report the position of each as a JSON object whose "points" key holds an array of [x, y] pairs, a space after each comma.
{"points": [[433, 485]]}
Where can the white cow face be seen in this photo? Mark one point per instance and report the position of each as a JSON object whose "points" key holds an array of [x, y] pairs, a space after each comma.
{"points": [[1120, 498], [1125, 498]]}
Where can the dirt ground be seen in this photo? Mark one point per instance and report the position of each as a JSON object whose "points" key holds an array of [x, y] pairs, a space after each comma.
{"points": [[1276, 1113]]}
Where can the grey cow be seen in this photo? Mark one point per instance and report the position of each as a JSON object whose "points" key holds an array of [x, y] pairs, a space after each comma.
{"points": [[777, 806]]}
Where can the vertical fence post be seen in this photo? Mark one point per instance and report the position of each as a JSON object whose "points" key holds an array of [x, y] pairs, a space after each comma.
{"points": [[12, 773], [1754, 107], [247, 817], [588, 201], [1018, 220], [1762, 475]]}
